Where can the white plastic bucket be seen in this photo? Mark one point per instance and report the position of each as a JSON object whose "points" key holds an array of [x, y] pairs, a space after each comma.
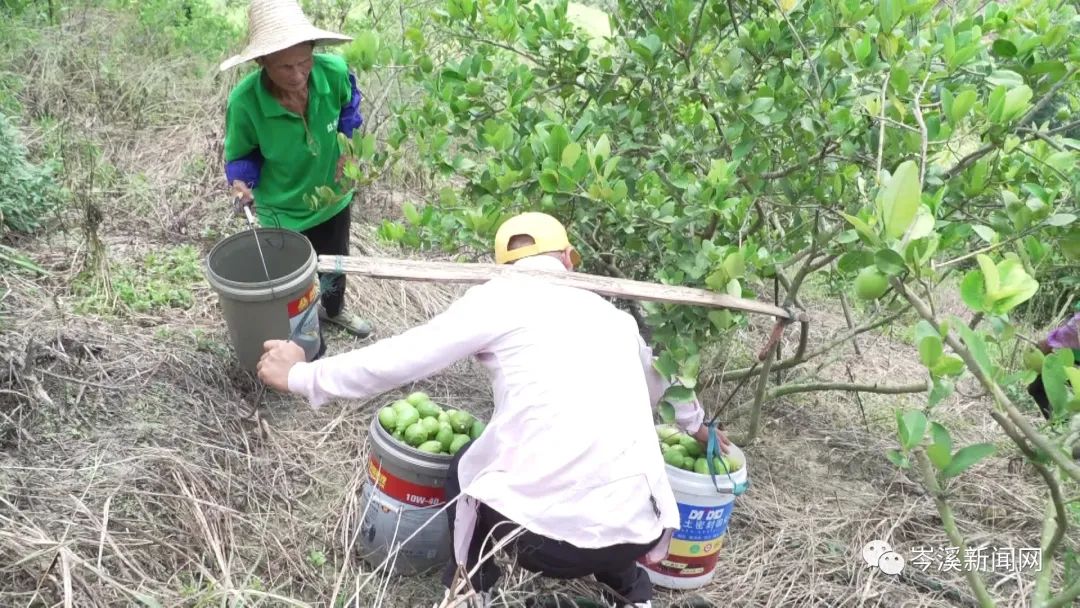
{"points": [[704, 512]]}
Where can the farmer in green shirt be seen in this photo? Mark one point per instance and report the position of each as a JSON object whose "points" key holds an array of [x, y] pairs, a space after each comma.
{"points": [[281, 136]]}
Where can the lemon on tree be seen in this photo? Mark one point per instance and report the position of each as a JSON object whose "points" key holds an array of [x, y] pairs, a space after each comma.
{"points": [[870, 283]]}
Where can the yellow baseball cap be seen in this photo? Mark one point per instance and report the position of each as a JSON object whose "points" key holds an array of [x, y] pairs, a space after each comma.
{"points": [[547, 234]]}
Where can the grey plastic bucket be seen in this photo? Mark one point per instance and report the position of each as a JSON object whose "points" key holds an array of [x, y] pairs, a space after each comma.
{"points": [[403, 496], [257, 310]]}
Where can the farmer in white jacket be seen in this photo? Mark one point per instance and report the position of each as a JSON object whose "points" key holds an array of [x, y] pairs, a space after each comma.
{"points": [[571, 452]]}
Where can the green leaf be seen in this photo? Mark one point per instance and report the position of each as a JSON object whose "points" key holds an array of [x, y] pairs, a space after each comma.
{"points": [[966, 457], [889, 262], [667, 412], [665, 364], [1053, 378], [940, 451], [570, 154], [1017, 101], [962, 104], [679, 394], [1003, 48], [924, 224], [861, 227], [915, 422], [734, 265], [410, 213], [1016, 286], [898, 459], [1006, 78], [1061, 219], [948, 365], [854, 261], [549, 181], [990, 275], [602, 150], [942, 389], [977, 346], [973, 291], [1073, 374], [888, 14], [899, 200], [930, 350], [986, 233]]}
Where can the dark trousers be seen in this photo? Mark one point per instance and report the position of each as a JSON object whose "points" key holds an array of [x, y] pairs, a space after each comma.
{"points": [[332, 238], [614, 566]]}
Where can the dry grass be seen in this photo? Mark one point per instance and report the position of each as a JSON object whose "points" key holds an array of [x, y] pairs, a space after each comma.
{"points": [[139, 466]]}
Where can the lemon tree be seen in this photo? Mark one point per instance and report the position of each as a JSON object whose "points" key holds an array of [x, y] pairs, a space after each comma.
{"points": [[887, 149]]}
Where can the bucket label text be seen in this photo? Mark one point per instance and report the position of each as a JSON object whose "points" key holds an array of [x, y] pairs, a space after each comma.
{"points": [[403, 490], [698, 524]]}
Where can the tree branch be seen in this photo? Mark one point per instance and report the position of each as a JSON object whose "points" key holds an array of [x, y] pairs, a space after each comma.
{"points": [[739, 374], [1056, 499], [759, 398], [1072, 469], [1066, 597], [792, 389], [948, 521], [968, 160]]}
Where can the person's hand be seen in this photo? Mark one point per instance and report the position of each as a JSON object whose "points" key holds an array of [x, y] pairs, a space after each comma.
{"points": [[702, 435], [241, 191], [1044, 347], [279, 356]]}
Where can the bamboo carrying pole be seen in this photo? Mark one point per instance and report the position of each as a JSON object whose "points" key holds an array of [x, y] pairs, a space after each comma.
{"points": [[451, 272]]}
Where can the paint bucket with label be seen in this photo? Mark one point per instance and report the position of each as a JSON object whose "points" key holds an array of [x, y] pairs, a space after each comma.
{"points": [[402, 503], [257, 308], [704, 511]]}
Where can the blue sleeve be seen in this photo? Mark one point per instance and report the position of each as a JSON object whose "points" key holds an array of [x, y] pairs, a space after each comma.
{"points": [[246, 168], [351, 118]]}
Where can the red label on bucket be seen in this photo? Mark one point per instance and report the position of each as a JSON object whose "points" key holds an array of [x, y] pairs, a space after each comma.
{"points": [[695, 546], [405, 491], [300, 304]]}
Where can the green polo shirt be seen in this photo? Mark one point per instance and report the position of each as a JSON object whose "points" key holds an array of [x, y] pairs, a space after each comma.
{"points": [[296, 159]]}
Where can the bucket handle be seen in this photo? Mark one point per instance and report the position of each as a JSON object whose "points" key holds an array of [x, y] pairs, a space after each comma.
{"points": [[710, 452]]}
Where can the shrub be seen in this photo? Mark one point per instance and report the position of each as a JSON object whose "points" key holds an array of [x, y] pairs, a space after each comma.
{"points": [[28, 191]]}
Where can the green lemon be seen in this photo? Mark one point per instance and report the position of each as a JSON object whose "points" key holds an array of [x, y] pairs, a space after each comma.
{"points": [[400, 405], [688, 463], [443, 416], [701, 466], [1033, 360], [458, 442], [477, 429], [728, 463], [428, 409], [431, 425], [445, 436], [388, 418], [415, 399], [664, 431], [678, 449], [674, 438], [461, 421], [870, 283], [691, 445], [431, 446], [673, 458], [406, 417], [415, 434]]}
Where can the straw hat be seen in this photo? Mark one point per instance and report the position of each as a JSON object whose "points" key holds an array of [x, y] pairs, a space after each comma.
{"points": [[274, 25]]}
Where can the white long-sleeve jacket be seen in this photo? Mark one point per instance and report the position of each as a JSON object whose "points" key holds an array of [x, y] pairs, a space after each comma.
{"points": [[571, 451]]}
